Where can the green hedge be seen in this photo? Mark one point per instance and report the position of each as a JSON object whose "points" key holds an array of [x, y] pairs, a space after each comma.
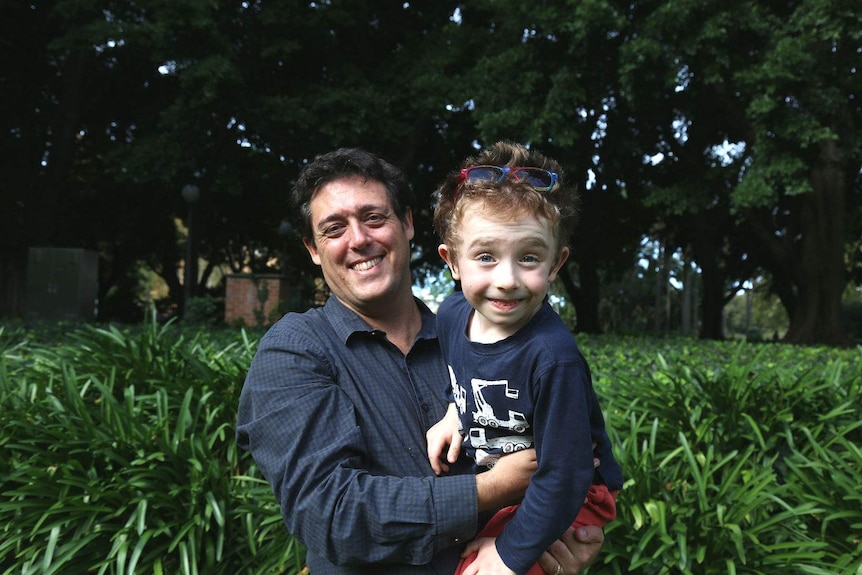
{"points": [[118, 456], [739, 458]]}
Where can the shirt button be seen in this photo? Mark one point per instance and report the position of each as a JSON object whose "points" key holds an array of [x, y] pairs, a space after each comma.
{"points": [[425, 407]]}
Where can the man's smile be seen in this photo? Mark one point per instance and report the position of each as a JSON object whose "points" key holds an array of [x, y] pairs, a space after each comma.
{"points": [[366, 265]]}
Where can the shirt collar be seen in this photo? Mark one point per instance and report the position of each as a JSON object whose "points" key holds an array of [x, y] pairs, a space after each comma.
{"points": [[345, 322]]}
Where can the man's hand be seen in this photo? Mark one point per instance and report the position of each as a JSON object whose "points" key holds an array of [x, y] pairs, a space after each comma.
{"points": [[574, 551]]}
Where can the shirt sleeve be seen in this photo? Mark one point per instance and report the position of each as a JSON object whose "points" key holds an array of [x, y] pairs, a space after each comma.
{"points": [[307, 436], [564, 452]]}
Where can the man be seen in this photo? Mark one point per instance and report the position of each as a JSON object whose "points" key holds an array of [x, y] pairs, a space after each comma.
{"points": [[337, 400]]}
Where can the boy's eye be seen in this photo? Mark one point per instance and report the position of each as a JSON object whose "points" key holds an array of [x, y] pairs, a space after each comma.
{"points": [[485, 258], [531, 259]]}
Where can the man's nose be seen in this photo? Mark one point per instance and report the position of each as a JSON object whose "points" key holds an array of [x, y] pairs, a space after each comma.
{"points": [[359, 236]]}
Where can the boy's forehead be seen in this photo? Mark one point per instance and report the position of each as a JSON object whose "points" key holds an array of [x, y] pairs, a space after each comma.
{"points": [[477, 210]]}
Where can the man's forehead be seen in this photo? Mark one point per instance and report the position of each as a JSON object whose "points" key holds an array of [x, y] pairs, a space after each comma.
{"points": [[349, 195], [350, 186]]}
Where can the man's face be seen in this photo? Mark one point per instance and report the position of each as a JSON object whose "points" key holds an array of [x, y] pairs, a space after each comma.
{"points": [[360, 244]]}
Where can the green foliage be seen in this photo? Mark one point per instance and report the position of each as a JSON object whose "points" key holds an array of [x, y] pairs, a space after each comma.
{"points": [[738, 458], [205, 310], [756, 316], [119, 458]]}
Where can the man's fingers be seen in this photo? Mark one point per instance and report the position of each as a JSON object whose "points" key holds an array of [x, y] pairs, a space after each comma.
{"points": [[576, 550]]}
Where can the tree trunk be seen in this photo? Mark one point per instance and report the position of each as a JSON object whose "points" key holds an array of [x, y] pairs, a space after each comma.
{"points": [[13, 266], [821, 276], [688, 292], [712, 299], [585, 296], [808, 265]]}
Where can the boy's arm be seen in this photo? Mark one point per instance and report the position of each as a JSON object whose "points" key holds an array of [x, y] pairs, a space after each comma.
{"points": [[445, 432]]}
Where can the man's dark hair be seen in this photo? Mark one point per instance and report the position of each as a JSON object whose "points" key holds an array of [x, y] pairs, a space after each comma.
{"points": [[347, 162]]}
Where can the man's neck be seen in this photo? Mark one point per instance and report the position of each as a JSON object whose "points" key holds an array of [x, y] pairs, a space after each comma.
{"points": [[400, 320]]}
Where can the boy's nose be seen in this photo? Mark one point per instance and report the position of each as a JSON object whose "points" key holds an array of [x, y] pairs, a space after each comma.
{"points": [[505, 276]]}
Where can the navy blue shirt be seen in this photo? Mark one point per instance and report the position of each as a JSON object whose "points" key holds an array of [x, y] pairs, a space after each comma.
{"points": [[335, 417], [532, 388]]}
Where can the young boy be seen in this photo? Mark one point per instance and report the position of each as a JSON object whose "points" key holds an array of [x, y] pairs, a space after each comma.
{"points": [[518, 379]]}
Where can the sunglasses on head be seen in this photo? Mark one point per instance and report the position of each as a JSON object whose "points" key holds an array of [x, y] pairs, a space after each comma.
{"points": [[540, 179]]}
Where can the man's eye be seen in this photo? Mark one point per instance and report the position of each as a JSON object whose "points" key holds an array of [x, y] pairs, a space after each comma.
{"points": [[333, 231], [375, 219]]}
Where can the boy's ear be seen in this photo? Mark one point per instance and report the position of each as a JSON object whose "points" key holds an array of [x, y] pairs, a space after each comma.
{"points": [[448, 256], [564, 255]]}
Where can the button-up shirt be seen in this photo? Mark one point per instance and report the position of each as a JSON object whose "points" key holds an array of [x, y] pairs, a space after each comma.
{"points": [[335, 418]]}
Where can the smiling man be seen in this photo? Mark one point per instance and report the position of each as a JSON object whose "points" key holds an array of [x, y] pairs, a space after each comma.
{"points": [[338, 399]]}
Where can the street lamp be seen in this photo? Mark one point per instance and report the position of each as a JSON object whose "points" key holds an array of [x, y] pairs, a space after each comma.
{"points": [[191, 194], [284, 230]]}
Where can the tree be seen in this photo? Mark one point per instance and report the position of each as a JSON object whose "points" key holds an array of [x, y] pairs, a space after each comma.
{"points": [[735, 128], [125, 103], [779, 81], [545, 75]]}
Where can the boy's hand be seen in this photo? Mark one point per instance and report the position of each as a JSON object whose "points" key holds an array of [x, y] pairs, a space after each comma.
{"points": [[445, 432], [487, 560]]}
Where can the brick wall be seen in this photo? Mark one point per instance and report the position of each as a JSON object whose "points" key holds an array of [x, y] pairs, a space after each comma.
{"points": [[255, 299]]}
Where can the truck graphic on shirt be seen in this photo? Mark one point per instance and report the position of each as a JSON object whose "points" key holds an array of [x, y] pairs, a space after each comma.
{"points": [[488, 451], [484, 414]]}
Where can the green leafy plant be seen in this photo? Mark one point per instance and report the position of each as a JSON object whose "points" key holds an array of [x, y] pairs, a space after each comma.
{"points": [[738, 458], [119, 456], [121, 459]]}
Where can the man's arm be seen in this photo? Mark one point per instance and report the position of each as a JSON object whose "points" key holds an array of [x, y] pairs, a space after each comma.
{"points": [[506, 482]]}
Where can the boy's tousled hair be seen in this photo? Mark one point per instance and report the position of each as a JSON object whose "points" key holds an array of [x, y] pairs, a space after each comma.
{"points": [[507, 198]]}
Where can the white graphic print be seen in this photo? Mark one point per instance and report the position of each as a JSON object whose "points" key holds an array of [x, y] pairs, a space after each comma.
{"points": [[484, 414], [459, 394], [508, 444]]}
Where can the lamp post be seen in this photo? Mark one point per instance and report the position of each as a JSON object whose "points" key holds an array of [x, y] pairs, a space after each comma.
{"points": [[284, 230], [191, 194]]}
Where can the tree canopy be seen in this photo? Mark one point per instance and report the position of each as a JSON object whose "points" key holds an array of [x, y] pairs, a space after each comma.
{"points": [[729, 133]]}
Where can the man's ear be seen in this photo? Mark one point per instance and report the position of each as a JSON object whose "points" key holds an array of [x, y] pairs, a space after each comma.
{"points": [[407, 222], [448, 256], [312, 250], [564, 255]]}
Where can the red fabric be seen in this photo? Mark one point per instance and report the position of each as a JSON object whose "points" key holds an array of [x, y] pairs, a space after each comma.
{"points": [[599, 508]]}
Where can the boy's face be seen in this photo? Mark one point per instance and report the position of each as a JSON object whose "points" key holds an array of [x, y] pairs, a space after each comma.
{"points": [[505, 268]]}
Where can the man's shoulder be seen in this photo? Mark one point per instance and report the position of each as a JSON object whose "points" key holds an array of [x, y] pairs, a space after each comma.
{"points": [[333, 317], [308, 319]]}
